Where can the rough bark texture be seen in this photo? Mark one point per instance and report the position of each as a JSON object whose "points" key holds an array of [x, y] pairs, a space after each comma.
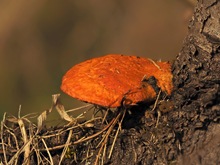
{"points": [[197, 81]]}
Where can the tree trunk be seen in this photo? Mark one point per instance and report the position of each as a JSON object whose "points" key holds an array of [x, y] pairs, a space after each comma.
{"points": [[196, 74], [189, 134]]}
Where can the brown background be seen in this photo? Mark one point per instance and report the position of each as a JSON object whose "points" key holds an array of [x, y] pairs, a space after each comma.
{"points": [[41, 40]]}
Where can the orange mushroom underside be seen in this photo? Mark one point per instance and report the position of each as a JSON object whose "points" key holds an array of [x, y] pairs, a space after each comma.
{"points": [[113, 80]]}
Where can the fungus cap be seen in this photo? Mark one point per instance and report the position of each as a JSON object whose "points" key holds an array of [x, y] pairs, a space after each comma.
{"points": [[113, 80]]}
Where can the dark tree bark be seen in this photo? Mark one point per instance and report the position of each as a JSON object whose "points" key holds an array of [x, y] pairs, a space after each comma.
{"points": [[189, 133], [197, 87]]}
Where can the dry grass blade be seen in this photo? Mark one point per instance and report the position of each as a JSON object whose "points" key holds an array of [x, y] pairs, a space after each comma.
{"points": [[154, 63], [116, 135], [25, 140], [88, 155], [156, 101], [94, 135], [15, 139], [61, 131], [26, 147], [20, 121], [36, 151], [3, 143], [105, 138], [61, 110], [48, 152], [41, 118], [84, 112], [16, 155], [79, 108], [66, 146]]}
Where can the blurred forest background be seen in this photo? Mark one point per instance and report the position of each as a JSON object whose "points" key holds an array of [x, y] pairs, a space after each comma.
{"points": [[41, 40]]}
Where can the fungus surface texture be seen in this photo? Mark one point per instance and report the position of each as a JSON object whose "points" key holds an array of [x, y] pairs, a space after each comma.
{"points": [[114, 79]]}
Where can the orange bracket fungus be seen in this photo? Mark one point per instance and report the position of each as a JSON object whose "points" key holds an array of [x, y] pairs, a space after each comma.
{"points": [[114, 80]]}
